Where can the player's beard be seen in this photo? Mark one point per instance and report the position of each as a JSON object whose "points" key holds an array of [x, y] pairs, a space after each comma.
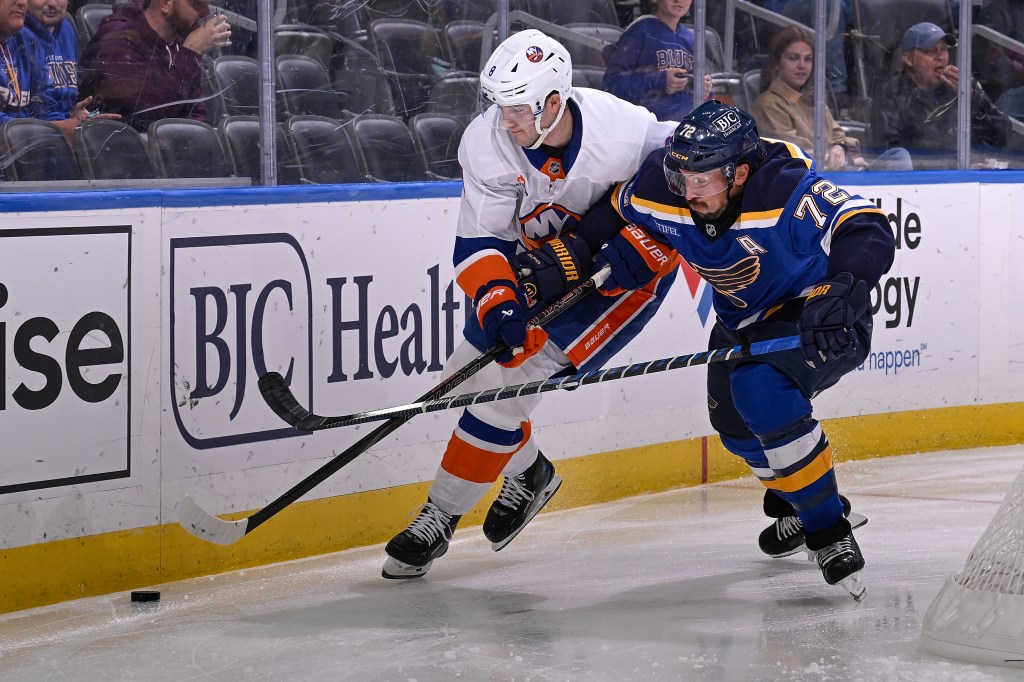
{"points": [[717, 213], [710, 214]]}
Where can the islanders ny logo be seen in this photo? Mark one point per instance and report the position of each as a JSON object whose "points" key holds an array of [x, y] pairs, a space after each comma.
{"points": [[534, 54]]}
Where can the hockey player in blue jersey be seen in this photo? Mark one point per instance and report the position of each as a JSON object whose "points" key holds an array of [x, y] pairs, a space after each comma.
{"points": [[786, 252]]}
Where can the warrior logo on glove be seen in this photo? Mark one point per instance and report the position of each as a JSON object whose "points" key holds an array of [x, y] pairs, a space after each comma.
{"points": [[549, 271]]}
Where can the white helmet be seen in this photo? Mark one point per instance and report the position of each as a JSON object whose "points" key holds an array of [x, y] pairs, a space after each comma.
{"points": [[524, 69]]}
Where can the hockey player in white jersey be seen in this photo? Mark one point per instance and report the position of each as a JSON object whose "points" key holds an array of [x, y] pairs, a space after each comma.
{"points": [[534, 161]]}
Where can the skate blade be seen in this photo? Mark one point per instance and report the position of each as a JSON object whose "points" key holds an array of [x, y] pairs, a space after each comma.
{"points": [[801, 548], [855, 586], [545, 495], [856, 521], [396, 570]]}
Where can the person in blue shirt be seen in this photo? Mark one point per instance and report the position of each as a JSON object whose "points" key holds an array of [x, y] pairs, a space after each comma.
{"points": [[650, 65], [47, 26], [787, 253], [25, 91], [49, 34]]}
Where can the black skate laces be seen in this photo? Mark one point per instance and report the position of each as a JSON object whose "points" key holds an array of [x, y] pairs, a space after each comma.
{"points": [[837, 549], [514, 491], [430, 523]]}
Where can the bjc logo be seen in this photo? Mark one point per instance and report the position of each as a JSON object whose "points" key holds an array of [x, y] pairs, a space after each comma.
{"points": [[240, 305]]}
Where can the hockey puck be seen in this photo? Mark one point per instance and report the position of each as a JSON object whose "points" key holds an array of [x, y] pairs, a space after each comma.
{"points": [[144, 596]]}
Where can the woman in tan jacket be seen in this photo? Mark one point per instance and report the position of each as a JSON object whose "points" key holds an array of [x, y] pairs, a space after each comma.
{"points": [[786, 108]]}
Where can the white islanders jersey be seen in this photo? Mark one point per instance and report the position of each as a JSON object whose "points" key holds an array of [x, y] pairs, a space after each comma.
{"points": [[514, 197]]}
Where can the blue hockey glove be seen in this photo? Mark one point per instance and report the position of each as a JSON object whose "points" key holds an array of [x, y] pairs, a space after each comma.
{"points": [[548, 272], [503, 320], [635, 259], [830, 312]]}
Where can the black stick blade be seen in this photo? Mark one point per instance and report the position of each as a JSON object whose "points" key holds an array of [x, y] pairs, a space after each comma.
{"points": [[279, 398]]}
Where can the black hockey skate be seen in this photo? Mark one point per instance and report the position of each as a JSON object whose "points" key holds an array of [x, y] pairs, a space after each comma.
{"points": [[411, 552], [786, 535], [841, 563], [520, 499]]}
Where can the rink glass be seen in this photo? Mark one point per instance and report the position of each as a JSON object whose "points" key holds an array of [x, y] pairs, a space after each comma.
{"points": [[370, 67]]}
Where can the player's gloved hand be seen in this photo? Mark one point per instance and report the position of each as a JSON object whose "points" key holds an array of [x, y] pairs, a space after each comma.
{"points": [[635, 259], [548, 272], [826, 323], [501, 315]]}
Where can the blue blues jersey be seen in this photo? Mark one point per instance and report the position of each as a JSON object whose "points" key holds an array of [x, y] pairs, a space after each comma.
{"points": [[637, 66], [793, 230], [25, 90], [60, 51]]}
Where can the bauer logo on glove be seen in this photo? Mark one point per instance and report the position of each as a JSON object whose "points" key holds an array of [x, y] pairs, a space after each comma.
{"points": [[635, 259]]}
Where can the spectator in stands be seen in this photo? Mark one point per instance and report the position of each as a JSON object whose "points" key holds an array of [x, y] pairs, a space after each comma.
{"points": [[45, 26], [835, 43], [917, 108], [20, 74], [146, 60], [1000, 70], [651, 62], [786, 107], [25, 90], [53, 43]]}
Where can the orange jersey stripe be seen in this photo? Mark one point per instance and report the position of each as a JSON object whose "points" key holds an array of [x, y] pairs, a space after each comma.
{"points": [[607, 326], [471, 463], [474, 273]]}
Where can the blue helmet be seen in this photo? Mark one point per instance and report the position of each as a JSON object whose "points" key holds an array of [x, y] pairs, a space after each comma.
{"points": [[714, 135]]}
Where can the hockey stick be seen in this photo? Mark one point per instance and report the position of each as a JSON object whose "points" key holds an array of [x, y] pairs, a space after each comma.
{"points": [[314, 422], [275, 391]]}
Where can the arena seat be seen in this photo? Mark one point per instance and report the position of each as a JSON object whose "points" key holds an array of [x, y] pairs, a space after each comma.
{"points": [[326, 151], [235, 81], [112, 150], [364, 91], [564, 12], [456, 95], [240, 136], [413, 59], [389, 150], [184, 148], [304, 88], [33, 150], [305, 40], [584, 55], [437, 138]]}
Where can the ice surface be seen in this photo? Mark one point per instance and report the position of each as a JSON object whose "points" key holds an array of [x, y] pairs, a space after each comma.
{"points": [[661, 587]]}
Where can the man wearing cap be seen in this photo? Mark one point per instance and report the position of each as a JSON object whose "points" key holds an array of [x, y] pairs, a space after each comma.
{"points": [[917, 108]]}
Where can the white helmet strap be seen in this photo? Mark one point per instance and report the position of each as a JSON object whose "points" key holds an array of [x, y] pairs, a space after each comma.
{"points": [[543, 132]]}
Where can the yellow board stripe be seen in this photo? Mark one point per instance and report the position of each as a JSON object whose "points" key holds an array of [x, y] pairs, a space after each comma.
{"points": [[110, 562]]}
